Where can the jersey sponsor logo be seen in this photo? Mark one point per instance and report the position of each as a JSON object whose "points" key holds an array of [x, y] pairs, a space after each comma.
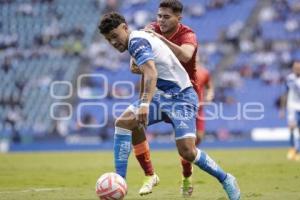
{"points": [[137, 50], [138, 44], [132, 42], [182, 115]]}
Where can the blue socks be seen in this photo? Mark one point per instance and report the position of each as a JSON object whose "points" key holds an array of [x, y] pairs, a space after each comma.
{"points": [[294, 139], [207, 164], [122, 148]]}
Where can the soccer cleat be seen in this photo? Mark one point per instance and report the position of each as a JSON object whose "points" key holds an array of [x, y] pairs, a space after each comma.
{"points": [[149, 183], [186, 188], [231, 187], [291, 154]]}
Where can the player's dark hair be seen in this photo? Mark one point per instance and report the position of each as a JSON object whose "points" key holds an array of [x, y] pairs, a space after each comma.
{"points": [[175, 5], [110, 21]]}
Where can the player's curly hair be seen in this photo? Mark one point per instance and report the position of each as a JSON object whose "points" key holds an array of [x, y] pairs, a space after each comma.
{"points": [[110, 21], [175, 5]]}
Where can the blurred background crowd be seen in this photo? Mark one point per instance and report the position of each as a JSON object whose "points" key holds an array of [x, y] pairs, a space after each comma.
{"points": [[247, 45]]}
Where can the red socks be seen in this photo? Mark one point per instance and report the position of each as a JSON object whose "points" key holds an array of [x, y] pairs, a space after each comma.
{"points": [[142, 154], [187, 167]]}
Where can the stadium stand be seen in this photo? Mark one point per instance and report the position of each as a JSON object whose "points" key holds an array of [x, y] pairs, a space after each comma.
{"points": [[41, 42], [49, 40]]}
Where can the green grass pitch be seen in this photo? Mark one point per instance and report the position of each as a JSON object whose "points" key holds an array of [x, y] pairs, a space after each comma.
{"points": [[263, 174]]}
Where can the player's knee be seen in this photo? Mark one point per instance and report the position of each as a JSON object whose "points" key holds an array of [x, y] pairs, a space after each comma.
{"points": [[138, 136], [188, 153], [118, 122], [125, 123]]}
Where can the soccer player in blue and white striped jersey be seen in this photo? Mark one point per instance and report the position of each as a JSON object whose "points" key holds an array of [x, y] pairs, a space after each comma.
{"points": [[167, 95], [293, 111]]}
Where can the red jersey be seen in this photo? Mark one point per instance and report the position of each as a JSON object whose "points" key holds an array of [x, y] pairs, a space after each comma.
{"points": [[199, 76], [183, 35]]}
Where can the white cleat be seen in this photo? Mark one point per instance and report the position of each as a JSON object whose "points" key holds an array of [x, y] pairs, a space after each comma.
{"points": [[149, 183]]}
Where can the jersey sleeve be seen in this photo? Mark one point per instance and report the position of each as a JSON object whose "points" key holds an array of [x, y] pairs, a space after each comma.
{"points": [[140, 49], [189, 38]]}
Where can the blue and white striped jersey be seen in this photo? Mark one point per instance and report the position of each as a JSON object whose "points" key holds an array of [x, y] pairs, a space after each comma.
{"points": [[293, 83], [172, 77]]}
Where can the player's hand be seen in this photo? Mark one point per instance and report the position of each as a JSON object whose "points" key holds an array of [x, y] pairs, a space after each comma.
{"points": [[134, 68], [209, 96], [142, 114], [153, 33], [149, 27]]}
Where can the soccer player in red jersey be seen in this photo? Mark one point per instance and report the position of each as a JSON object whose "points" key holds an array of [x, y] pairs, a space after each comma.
{"points": [[183, 42]]}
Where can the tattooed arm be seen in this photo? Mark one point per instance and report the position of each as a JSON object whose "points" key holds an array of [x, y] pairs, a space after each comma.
{"points": [[141, 85], [141, 50], [150, 77], [148, 89]]}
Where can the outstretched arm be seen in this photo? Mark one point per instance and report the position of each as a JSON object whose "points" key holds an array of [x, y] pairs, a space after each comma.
{"points": [[184, 53]]}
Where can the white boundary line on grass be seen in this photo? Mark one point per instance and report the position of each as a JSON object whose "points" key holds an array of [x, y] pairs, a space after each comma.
{"points": [[31, 190]]}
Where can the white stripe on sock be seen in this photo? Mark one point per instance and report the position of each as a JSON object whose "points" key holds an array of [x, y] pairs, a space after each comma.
{"points": [[198, 155], [122, 131], [188, 135]]}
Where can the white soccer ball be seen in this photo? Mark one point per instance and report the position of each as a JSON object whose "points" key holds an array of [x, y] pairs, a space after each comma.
{"points": [[111, 186]]}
